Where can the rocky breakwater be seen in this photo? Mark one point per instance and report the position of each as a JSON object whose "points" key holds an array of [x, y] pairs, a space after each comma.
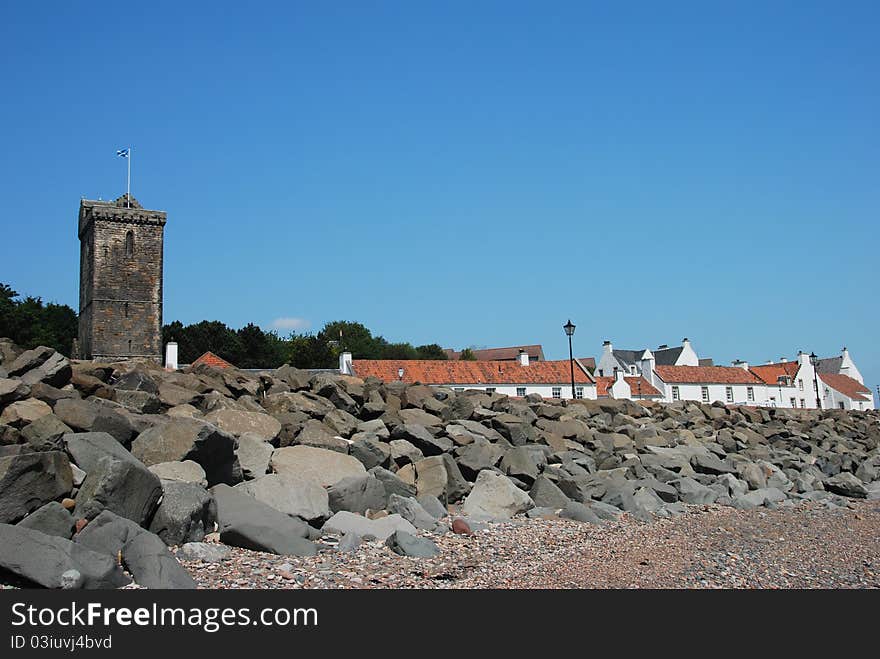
{"points": [[108, 472]]}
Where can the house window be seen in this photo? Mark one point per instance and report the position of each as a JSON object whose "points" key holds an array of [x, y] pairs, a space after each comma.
{"points": [[772, 401], [802, 403], [578, 392], [458, 388], [675, 394], [793, 402], [601, 372], [521, 392], [728, 391], [840, 405], [490, 390], [860, 406], [632, 369], [801, 384], [557, 392], [750, 393], [704, 393], [129, 243]]}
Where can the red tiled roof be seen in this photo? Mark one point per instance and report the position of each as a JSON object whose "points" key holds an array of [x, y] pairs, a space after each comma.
{"points": [[846, 385], [770, 373], [210, 359], [707, 374], [535, 352], [456, 372], [604, 383]]}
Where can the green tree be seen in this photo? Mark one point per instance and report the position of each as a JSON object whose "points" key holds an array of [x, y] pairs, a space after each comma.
{"points": [[399, 351], [431, 351], [30, 323], [467, 355]]}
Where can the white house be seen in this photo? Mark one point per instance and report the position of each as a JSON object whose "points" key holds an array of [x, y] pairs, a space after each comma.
{"points": [[732, 385], [844, 393], [550, 379], [633, 387], [629, 361]]}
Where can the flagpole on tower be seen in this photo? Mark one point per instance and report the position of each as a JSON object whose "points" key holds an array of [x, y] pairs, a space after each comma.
{"points": [[128, 181]]}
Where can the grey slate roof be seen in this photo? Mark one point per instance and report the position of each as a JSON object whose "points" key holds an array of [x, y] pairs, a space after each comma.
{"points": [[628, 356], [829, 365], [667, 356]]}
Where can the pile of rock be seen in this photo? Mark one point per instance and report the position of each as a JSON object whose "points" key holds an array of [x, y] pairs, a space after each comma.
{"points": [[103, 467]]}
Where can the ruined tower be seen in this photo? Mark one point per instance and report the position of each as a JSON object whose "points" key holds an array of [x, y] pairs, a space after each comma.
{"points": [[120, 280]]}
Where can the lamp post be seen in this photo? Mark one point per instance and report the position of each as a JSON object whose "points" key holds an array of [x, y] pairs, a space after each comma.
{"points": [[815, 362], [569, 330]]}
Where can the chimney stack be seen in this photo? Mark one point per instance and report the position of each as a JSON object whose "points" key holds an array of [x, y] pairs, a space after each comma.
{"points": [[523, 358]]}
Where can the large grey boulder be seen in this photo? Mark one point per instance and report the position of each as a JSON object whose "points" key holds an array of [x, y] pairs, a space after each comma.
{"points": [[107, 533], [393, 484], [520, 463], [240, 422], [12, 389], [203, 551], [55, 371], [846, 484], [190, 439], [357, 494], [546, 494], [404, 452], [758, 498], [185, 514], [480, 455], [153, 566], [320, 465], [45, 433], [579, 512], [22, 412], [44, 559], [345, 522], [412, 511], [51, 519], [317, 435], [370, 451], [246, 522], [495, 496], [31, 480], [691, 491], [423, 440], [125, 487], [407, 544], [254, 454], [87, 448], [292, 495], [185, 471]]}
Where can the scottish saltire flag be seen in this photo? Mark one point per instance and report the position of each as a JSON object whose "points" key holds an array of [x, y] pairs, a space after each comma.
{"points": [[122, 153]]}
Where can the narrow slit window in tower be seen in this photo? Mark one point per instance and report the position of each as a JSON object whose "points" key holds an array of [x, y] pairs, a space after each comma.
{"points": [[129, 243]]}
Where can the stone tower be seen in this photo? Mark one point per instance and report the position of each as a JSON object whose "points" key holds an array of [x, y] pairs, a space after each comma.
{"points": [[120, 280]]}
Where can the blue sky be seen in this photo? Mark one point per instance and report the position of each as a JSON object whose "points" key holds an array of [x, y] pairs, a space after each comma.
{"points": [[467, 173]]}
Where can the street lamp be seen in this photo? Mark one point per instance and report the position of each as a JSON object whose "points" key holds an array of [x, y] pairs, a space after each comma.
{"points": [[569, 330], [815, 362]]}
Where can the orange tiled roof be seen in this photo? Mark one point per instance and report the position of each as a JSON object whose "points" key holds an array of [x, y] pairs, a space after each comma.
{"points": [[770, 373], [604, 383], [457, 372], [210, 359], [846, 385], [707, 374]]}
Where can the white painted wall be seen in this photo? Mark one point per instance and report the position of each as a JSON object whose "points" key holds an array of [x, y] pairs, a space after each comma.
{"points": [[545, 390], [848, 367], [717, 392], [607, 362], [688, 356]]}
